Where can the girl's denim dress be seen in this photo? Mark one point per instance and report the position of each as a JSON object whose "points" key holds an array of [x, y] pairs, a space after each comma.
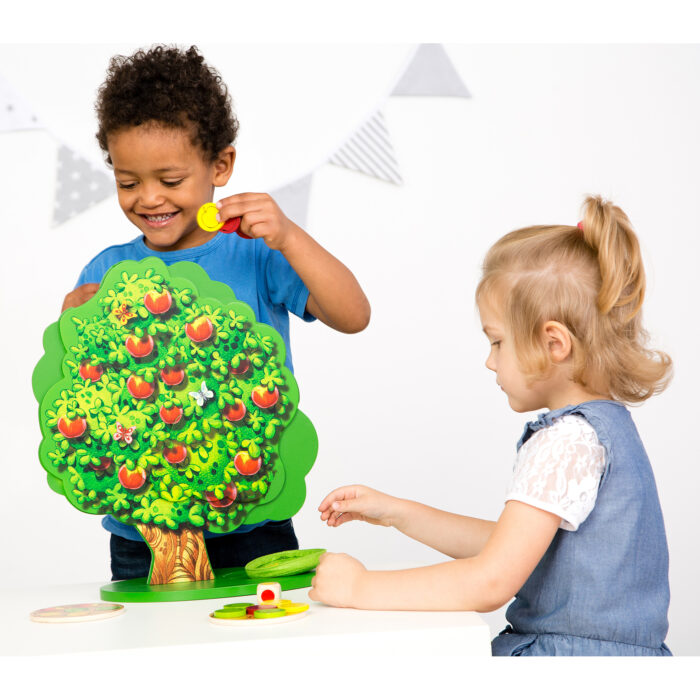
{"points": [[603, 589]]}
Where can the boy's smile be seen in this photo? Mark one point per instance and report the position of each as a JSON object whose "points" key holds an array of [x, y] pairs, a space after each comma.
{"points": [[162, 180]]}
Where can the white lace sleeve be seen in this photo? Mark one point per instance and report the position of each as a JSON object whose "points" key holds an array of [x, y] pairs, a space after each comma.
{"points": [[558, 470]]}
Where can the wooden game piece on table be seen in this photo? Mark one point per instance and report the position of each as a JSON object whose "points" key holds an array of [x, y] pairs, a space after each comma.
{"points": [[269, 593], [78, 612]]}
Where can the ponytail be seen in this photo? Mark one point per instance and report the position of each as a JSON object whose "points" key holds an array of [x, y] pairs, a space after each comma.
{"points": [[608, 231]]}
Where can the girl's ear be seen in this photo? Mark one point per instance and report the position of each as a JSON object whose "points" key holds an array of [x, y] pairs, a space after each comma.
{"points": [[223, 166], [558, 341]]}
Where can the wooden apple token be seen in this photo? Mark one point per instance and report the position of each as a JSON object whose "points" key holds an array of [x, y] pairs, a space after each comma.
{"points": [[79, 612], [229, 613], [247, 614]]}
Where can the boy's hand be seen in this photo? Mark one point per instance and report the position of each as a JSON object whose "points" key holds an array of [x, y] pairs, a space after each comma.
{"points": [[337, 579], [260, 218], [359, 503], [80, 295]]}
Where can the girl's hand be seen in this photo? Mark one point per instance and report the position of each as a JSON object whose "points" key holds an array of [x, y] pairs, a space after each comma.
{"points": [[260, 218], [337, 580], [80, 295], [359, 503]]}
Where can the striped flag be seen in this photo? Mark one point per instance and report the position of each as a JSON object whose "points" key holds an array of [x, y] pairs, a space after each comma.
{"points": [[369, 151]]}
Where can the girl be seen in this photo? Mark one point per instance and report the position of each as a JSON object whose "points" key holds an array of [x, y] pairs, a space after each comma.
{"points": [[580, 542]]}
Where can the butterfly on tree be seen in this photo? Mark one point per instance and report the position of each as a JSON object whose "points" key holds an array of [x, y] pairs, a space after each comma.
{"points": [[123, 314], [202, 395], [123, 433]]}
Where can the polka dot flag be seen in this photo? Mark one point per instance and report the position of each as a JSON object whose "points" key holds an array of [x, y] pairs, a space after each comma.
{"points": [[15, 113], [79, 186]]}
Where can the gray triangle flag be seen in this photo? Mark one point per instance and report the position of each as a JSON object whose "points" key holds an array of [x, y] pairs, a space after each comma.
{"points": [[430, 74], [79, 185], [370, 151], [15, 113], [293, 199]]}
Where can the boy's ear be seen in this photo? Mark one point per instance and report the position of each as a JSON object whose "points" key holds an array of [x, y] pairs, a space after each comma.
{"points": [[223, 166], [558, 341]]}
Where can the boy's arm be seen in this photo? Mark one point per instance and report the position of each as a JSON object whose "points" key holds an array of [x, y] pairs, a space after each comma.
{"points": [[79, 295], [483, 583], [335, 297]]}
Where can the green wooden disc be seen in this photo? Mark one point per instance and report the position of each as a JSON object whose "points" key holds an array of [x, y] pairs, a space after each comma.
{"points": [[236, 606], [262, 614], [229, 613], [293, 561]]}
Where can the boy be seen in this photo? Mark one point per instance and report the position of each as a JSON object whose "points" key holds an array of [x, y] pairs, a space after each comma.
{"points": [[167, 129]]}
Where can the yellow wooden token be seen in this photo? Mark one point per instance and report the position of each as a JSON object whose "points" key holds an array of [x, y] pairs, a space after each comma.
{"points": [[206, 217], [293, 608]]}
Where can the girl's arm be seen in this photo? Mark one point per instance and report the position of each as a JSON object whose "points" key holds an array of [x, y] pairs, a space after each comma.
{"points": [[335, 296], [483, 582], [457, 536]]}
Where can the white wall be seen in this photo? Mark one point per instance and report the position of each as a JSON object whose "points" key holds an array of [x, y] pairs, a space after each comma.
{"points": [[418, 418]]}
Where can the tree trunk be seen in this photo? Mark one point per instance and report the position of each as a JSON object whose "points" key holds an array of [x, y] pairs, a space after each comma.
{"points": [[178, 556]]}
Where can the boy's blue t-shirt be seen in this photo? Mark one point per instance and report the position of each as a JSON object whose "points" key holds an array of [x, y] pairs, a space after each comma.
{"points": [[258, 276]]}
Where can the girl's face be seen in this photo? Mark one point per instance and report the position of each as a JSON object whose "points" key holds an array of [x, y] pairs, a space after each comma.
{"points": [[162, 180], [522, 396]]}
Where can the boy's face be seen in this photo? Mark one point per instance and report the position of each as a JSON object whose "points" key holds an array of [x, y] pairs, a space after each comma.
{"points": [[162, 180]]}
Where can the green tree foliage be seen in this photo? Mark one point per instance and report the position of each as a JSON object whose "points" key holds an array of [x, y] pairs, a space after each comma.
{"points": [[171, 406]]}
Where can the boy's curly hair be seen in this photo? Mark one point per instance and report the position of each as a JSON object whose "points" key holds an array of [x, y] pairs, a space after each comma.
{"points": [[170, 86]]}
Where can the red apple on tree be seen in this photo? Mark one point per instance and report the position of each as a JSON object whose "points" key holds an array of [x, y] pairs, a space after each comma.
{"points": [[172, 376], [247, 465], [176, 453], [242, 367], [170, 414], [72, 427], [139, 347], [158, 302], [263, 397], [105, 463], [88, 371], [131, 479], [228, 498], [139, 388], [235, 411], [200, 329]]}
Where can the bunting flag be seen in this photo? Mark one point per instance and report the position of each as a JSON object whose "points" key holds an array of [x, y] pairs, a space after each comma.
{"points": [[369, 151], [430, 74], [293, 199], [15, 113], [79, 185]]}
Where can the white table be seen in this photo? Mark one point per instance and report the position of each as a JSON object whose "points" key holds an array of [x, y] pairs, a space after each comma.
{"points": [[159, 626]]}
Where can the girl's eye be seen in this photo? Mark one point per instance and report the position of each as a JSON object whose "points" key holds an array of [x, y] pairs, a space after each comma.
{"points": [[129, 186], [173, 183]]}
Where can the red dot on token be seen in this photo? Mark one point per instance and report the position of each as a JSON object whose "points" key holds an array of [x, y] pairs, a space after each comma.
{"points": [[230, 225], [268, 595]]}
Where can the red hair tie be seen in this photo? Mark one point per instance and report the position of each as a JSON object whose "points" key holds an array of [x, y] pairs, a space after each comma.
{"points": [[580, 225]]}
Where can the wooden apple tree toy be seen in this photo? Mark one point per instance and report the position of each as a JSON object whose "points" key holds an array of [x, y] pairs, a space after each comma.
{"points": [[164, 403]]}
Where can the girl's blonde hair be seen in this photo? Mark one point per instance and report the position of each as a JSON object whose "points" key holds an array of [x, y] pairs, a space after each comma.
{"points": [[589, 279]]}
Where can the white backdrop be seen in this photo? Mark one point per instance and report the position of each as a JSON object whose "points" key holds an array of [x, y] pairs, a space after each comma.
{"points": [[421, 419]]}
